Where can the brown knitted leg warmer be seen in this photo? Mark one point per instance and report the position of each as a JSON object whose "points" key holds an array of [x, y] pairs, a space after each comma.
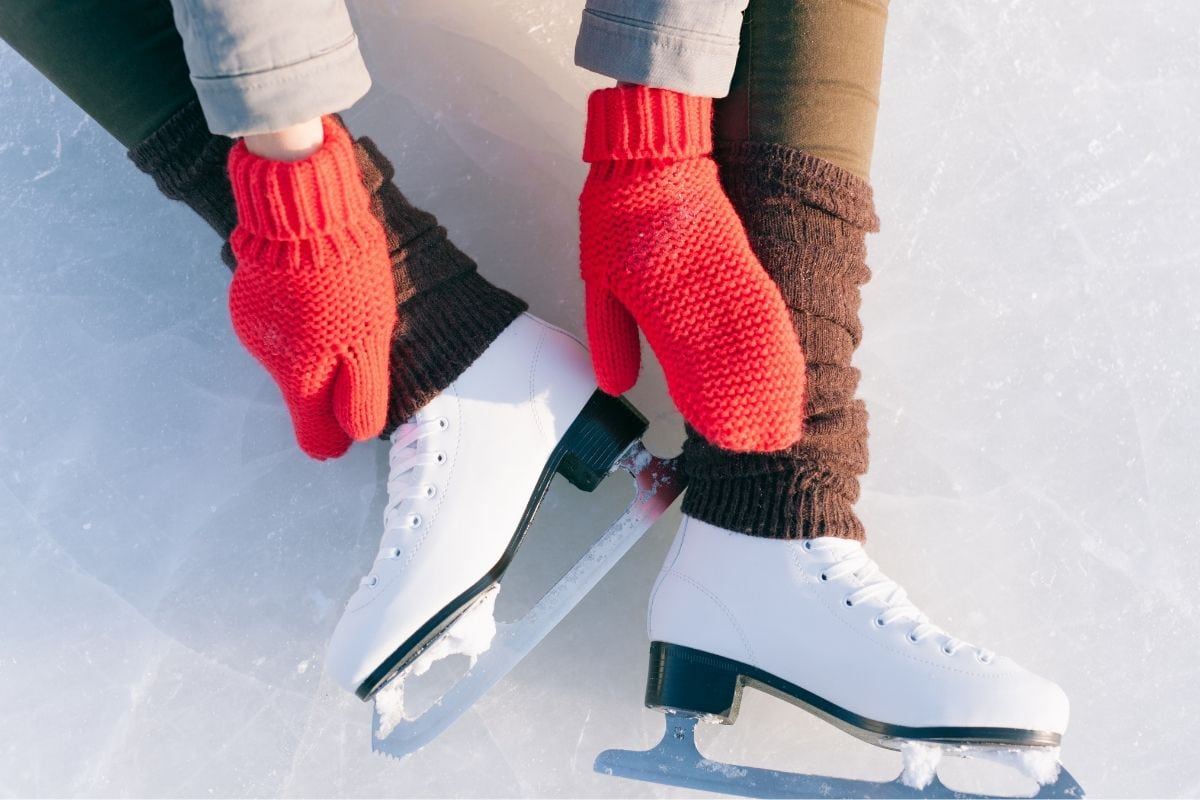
{"points": [[448, 313], [807, 220], [188, 164]]}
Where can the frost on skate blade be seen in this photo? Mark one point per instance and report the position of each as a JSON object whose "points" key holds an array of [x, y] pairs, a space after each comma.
{"points": [[921, 760], [556, 552], [676, 761], [554, 542], [469, 637]]}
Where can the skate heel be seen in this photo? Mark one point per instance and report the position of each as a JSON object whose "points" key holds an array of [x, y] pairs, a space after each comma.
{"points": [[693, 682], [605, 427]]}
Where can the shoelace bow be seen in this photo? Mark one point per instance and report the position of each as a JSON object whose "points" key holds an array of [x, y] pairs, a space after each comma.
{"points": [[847, 557], [404, 460]]}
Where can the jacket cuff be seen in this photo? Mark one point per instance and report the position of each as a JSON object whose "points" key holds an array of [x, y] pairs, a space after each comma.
{"points": [[274, 99], [682, 45]]}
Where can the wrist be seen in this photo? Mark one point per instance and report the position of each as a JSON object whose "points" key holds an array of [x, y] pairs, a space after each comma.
{"points": [[293, 143]]}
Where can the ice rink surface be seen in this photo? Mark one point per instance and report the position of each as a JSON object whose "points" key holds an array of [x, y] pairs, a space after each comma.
{"points": [[171, 565]]}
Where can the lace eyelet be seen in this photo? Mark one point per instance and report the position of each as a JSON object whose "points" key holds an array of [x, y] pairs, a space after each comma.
{"points": [[848, 603], [946, 651], [440, 458], [443, 423], [911, 639], [981, 659], [414, 521], [430, 490], [807, 544], [396, 551], [372, 580], [824, 577], [879, 623]]}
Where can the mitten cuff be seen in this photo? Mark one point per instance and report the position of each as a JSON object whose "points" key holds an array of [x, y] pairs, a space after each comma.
{"points": [[295, 200], [637, 122]]}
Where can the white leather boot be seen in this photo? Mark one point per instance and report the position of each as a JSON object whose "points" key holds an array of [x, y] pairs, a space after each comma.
{"points": [[467, 474], [816, 623]]}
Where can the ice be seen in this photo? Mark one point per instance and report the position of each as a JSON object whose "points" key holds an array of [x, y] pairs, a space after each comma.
{"points": [[1028, 362]]}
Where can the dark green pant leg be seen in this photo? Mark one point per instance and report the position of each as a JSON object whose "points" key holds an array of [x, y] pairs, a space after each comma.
{"points": [[807, 77], [121, 61]]}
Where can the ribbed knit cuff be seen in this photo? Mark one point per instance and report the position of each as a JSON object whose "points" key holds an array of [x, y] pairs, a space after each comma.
{"points": [[187, 164], [441, 332], [774, 495], [295, 200], [636, 122]]}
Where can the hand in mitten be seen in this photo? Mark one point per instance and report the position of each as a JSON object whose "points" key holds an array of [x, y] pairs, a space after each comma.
{"points": [[661, 248], [312, 298]]}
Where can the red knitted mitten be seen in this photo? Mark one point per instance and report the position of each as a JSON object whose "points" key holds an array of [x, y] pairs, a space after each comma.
{"points": [[312, 298], [662, 248]]}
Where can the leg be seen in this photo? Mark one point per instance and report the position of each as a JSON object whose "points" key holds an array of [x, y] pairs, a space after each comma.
{"points": [[803, 608], [808, 77], [807, 218]]}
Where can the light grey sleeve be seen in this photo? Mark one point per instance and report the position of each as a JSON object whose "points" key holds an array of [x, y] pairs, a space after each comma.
{"points": [[262, 65], [687, 46]]}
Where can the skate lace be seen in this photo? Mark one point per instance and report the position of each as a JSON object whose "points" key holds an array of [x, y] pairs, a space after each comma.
{"points": [[407, 464], [846, 557]]}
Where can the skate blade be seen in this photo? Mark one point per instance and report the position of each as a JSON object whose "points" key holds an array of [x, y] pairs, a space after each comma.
{"points": [[676, 761], [657, 484]]}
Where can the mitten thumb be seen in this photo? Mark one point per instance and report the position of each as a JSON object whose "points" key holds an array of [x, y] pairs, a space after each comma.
{"points": [[613, 339], [360, 390]]}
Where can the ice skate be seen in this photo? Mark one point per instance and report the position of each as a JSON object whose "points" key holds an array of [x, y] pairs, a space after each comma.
{"points": [[850, 648], [467, 474]]}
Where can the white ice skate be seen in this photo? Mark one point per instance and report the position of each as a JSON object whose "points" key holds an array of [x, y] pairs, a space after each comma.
{"points": [[815, 622], [467, 474]]}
